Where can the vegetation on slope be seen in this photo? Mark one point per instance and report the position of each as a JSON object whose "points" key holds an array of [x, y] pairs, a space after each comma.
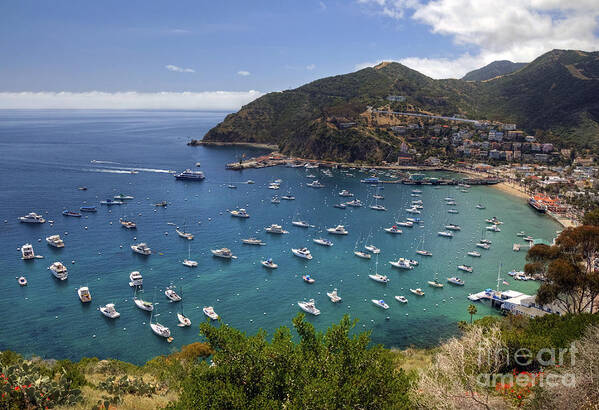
{"points": [[492, 70]]}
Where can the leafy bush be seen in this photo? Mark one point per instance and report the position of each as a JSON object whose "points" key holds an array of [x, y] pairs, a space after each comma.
{"points": [[124, 385]]}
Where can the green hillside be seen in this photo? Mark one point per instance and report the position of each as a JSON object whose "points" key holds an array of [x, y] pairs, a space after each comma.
{"points": [[492, 70]]}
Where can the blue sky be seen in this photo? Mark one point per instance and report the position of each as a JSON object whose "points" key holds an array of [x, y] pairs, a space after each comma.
{"points": [[206, 46]]}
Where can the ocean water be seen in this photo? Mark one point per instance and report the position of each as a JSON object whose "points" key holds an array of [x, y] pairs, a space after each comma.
{"points": [[46, 155]]}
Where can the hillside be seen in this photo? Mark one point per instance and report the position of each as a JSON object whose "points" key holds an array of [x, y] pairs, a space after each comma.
{"points": [[492, 70], [328, 118]]}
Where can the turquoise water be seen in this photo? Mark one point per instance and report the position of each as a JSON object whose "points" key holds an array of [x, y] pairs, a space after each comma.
{"points": [[45, 156]]}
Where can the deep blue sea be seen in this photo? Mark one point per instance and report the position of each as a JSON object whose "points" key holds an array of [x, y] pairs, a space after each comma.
{"points": [[46, 155]]}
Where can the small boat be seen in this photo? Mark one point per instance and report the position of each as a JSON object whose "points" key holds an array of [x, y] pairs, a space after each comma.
{"points": [[135, 279], [447, 234], [333, 296], [301, 224], [309, 307], [480, 206], [250, 181], [74, 214], [345, 193], [128, 224], [363, 255], [483, 245], [223, 253], [27, 252], [493, 228], [268, 263], [22, 281], [521, 234], [88, 209], [379, 278], [288, 197], [378, 207], [162, 204], [273, 185], [417, 291], [308, 279], [183, 320], [84, 295], [453, 227], [338, 230], [402, 263], [373, 249], [110, 202], [160, 330], [274, 228], [516, 247], [240, 213], [209, 311], [401, 299], [322, 241], [380, 303], [172, 295], [340, 206], [198, 164], [413, 210], [376, 196], [184, 235], [416, 191], [82, 188], [435, 283], [487, 241], [315, 184], [424, 253], [415, 220], [394, 229], [253, 241], [465, 268], [190, 263], [142, 249], [109, 311], [143, 304], [407, 224], [231, 186], [474, 254], [449, 199], [302, 253], [453, 211], [59, 271], [122, 197], [356, 203], [32, 218], [456, 281], [275, 200], [528, 238], [494, 220]]}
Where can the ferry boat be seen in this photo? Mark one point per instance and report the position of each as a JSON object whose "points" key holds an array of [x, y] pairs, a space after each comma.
{"points": [[417, 292], [223, 253], [240, 213], [446, 234], [253, 241], [172, 295], [111, 202], [308, 279], [322, 241], [128, 224], [373, 249], [302, 253], [345, 193], [88, 209], [32, 218], [338, 230], [356, 203], [75, 214], [59, 271], [334, 296], [379, 278], [122, 197], [362, 255], [537, 205], [109, 311], [465, 268], [402, 263], [401, 299], [142, 249], [135, 279], [380, 303], [189, 175], [27, 252], [309, 307], [394, 230], [277, 229], [84, 295], [315, 184], [268, 263], [456, 281]]}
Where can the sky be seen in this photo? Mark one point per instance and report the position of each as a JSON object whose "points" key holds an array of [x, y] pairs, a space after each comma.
{"points": [[219, 55]]}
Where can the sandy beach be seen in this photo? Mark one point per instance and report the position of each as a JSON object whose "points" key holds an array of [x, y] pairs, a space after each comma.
{"points": [[511, 189]]}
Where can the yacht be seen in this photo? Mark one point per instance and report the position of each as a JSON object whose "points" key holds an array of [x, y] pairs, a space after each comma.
{"points": [[142, 249], [88, 209], [308, 279], [160, 330], [333, 296], [494, 220], [209, 311], [363, 255], [135, 279], [184, 235], [416, 191], [172, 295], [338, 230], [253, 241], [322, 241], [128, 224], [110, 202], [122, 197], [480, 206], [378, 207], [453, 211], [190, 263], [379, 278], [493, 228], [274, 185], [59, 271], [340, 206], [268, 263], [27, 252], [417, 202], [223, 253], [401, 299], [474, 253], [345, 193], [84, 295], [250, 181], [309, 307], [74, 214], [109, 311], [413, 210], [380, 303], [483, 245], [301, 224], [402, 263], [143, 305], [302, 253], [22, 281], [465, 268], [161, 204], [435, 283], [407, 224], [315, 184], [32, 218], [394, 229], [415, 220], [487, 241], [373, 249], [189, 175], [446, 234], [455, 281], [417, 291], [377, 196], [240, 213], [288, 197], [274, 228], [453, 227], [424, 253], [183, 320], [356, 203]]}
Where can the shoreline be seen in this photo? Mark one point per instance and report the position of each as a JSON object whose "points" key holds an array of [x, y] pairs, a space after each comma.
{"points": [[195, 143]]}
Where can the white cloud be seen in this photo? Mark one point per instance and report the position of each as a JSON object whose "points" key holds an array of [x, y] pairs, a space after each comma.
{"points": [[243, 73], [516, 30], [310, 67], [177, 69], [207, 100], [323, 6]]}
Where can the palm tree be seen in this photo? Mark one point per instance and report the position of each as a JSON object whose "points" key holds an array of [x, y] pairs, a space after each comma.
{"points": [[472, 310]]}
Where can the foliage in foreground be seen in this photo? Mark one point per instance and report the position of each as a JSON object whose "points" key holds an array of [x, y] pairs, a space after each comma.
{"points": [[324, 370]]}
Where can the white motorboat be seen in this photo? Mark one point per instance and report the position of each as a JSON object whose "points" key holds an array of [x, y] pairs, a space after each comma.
{"points": [[373, 249], [424, 252], [465, 268], [32, 218], [308, 279], [362, 255], [274, 228], [315, 184], [27, 252], [413, 210], [274, 185], [109, 311], [250, 181], [356, 203], [377, 207], [288, 197], [453, 227], [407, 224], [333, 296], [189, 263], [143, 305], [380, 303], [268, 263], [493, 228], [456, 281], [59, 271], [275, 200], [377, 196], [309, 307], [183, 320], [142, 249], [302, 253], [110, 202], [453, 211], [401, 299], [435, 283], [209, 311], [122, 197], [240, 213], [253, 241], [301, 224], [84, 295], [483, 245], [402, 263], [345, 193], [379, 278], [480, 206], [184, 235], [448, 199], [127, 224], [394, 229], [135, 279], [223, 253], [416, 191], [338, 230], [494, 220], [322, 241], [55, 241], [172, 295], [521, 234], [446, 234], [474, 254], [417, 292], [160, 330]]}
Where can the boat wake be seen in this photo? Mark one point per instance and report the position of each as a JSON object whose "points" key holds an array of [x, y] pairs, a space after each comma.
{"points": [[95, 161], [110, 171], [129, 169]]}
